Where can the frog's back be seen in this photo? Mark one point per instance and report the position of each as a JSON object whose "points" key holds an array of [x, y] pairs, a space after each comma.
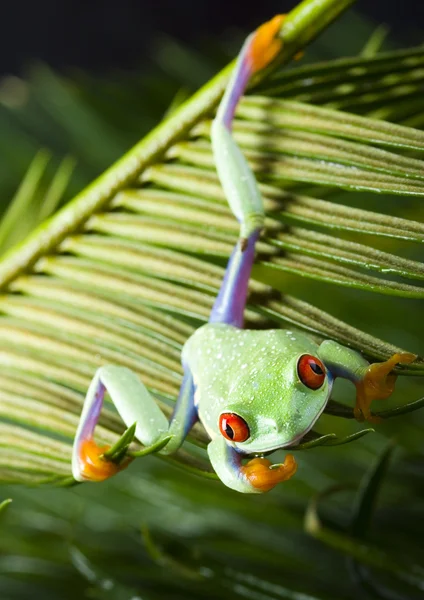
{"points": [[223, 345]]}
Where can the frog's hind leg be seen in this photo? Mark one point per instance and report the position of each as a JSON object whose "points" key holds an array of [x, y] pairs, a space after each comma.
{"points": [[231, 300], [133, 402], [236, 177], [135, 405]]}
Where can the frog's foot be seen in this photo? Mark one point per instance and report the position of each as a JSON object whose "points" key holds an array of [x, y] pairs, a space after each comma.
{"points": [[263, 476], [378, 383], [265, 45], [94, 466]]}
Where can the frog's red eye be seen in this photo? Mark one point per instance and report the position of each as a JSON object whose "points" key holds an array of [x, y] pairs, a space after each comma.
{"points": [[311, 371], [233, 427]]}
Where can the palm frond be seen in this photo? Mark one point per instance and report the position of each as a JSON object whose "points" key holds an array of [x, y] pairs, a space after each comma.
{"points": [[141, 245], [126, 272]]}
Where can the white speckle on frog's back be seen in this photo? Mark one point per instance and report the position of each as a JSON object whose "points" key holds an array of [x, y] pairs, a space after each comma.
{"points": [[225, 350]]}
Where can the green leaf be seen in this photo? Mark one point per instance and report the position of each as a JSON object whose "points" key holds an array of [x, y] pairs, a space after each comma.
{"points": [[313, 439], [367, 494], [4, 505], [151, 449], [325, 271], [118, 451], [306, 117], [365, 553], [341, 168], [385, 65]]}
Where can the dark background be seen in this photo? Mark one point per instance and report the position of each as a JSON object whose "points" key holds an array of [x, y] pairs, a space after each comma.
{"points": [[101, 34]]}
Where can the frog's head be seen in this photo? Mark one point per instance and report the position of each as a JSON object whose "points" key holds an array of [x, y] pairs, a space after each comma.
{"points": [[273, 404]]}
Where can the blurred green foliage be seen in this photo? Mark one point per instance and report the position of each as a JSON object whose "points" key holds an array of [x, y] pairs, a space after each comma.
{"points": [[156, 531]]}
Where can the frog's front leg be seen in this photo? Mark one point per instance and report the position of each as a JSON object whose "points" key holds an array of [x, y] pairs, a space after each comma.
{"points": [[373, 381], [135, 405], [258, 475]]}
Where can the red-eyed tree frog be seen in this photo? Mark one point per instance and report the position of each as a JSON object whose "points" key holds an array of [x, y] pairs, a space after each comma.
{"points": [[254, 391]]}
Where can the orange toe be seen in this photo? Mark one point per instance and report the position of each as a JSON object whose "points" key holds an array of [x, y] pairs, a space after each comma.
{"points": [[94, 466], [263, 478], [378, 383], [265, 45]]}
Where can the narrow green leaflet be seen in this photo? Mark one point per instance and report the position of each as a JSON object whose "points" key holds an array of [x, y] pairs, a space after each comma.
{"points": [[365, 553], [306, 117], [322, 270], [330, 247], [37, 198], [290, 207], [351, 70], [263, 142], [4, 505], [317, 169], [23, 197]]}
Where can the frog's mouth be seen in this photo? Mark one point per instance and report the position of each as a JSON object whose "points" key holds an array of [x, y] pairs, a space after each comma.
{"points": [[269, 449], [269, 446]]}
